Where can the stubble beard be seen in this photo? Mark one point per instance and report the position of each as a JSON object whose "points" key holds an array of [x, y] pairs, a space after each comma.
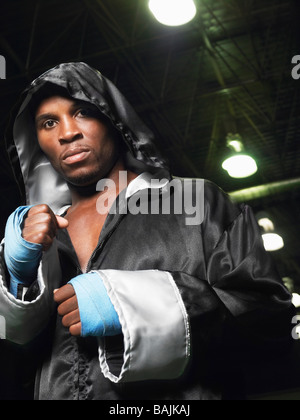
{"points": [[89, 177]]}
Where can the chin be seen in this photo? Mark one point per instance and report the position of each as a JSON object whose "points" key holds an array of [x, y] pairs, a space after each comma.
{"points": [[82, 182], [83, 179], [87, 178]]}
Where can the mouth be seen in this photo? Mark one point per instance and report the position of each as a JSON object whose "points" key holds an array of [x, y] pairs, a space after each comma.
{"points": [[75, 155]]}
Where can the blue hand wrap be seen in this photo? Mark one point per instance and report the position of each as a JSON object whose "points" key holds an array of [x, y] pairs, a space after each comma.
{"points": [[97, 313], [22, 258]]}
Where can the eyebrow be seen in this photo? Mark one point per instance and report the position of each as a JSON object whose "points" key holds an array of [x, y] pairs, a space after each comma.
{"points": [[49, 116], [44, 117]]}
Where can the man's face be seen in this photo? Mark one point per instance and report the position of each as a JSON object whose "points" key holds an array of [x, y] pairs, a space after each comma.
{"points": [[78, 144]]}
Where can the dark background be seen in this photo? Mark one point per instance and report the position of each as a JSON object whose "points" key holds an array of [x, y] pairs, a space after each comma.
{"points": [[229, 70]]}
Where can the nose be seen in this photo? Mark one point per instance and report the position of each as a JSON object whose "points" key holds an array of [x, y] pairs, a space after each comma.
{"points": [[69, 130]]}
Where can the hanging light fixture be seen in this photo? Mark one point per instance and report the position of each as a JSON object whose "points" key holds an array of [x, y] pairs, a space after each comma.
{"points": [[239, 164], [272, 241], [290, 285], [173, 12]]}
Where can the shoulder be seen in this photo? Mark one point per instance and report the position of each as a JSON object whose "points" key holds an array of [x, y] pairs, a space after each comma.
{"points": [[220, 212], [214, 197], [218, 202]]}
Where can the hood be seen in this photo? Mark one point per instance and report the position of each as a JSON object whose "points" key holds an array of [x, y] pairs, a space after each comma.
{"points": [[38, 181]]}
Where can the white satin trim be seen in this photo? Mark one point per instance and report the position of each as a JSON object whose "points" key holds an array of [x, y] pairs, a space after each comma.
{"points": [[25, 320], [154, 322]]}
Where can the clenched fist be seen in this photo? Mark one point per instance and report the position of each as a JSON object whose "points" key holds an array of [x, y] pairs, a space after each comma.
{"points": [[41, 225], [68, 309]]}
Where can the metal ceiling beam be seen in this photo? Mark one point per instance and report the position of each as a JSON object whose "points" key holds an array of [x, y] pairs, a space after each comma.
{"points": [[111, 21], [266, 190], [233, 41], [57, 40], [248, 62], [32, 36], [83, 35]]}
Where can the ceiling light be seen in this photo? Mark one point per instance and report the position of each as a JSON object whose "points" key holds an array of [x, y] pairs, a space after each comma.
{"points": [[173, 12], [296, 300], [239, 164], [289, 284], [272, 241], [266, 224]]}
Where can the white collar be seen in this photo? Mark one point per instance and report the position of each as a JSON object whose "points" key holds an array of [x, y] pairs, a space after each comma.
{"points": [[142, 182]]}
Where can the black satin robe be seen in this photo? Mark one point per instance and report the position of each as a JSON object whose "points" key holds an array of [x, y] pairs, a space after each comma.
{"points": [[239, 310]]}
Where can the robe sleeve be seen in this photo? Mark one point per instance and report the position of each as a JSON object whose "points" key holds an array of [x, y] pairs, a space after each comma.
{"points": [[239, 310], [21, 320], [155, 326]]}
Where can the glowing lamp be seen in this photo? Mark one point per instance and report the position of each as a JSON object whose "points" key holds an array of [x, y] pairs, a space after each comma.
{"points": [[272, 241], [173, 12], [239, 164]]}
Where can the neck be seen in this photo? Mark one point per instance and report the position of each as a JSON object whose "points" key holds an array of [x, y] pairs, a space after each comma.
{"points": [[89, 193]]}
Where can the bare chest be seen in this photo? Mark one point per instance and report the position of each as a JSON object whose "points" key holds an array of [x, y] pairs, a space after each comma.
{"points": [[84, 232]]}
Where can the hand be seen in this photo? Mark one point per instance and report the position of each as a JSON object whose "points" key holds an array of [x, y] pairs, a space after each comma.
{"points": [[66, 298], [41, 225]]}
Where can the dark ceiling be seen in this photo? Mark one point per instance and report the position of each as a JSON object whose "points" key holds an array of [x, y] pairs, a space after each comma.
{"points": [[229, 70]]}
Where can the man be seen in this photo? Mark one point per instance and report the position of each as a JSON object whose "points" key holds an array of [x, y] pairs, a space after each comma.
{"points": [[129, 304]]}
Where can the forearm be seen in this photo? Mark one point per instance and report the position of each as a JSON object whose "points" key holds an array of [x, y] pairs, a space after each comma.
{"points": [[22, 258]]}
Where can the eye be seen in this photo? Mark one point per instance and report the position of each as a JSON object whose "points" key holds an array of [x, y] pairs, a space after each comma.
{"points": [[85, 112], [49, 124]]}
